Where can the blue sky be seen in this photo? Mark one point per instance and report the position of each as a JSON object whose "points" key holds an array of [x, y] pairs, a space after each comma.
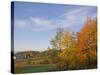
{"points": [[35, 24]]}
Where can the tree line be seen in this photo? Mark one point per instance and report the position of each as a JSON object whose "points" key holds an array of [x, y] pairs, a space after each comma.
{"points": [[77, 50]]}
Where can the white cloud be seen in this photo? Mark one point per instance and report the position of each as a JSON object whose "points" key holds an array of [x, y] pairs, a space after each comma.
{"points": [[79, 11], [41, 22], [35, 24], [67, 19], [20, 23], [78, 14]]}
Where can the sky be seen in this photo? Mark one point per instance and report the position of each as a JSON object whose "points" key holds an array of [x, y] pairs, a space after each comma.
{"points": [[35, 24]]}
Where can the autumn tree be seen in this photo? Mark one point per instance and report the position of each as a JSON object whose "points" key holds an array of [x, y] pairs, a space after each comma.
{"points": [[87, 42], [68, 54], [65, 41]]}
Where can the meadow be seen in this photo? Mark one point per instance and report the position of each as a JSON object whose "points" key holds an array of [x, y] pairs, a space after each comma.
{"points": [[35, 68]]}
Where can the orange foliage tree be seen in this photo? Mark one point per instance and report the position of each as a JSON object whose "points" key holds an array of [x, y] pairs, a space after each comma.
{"points": [[87, 42]]}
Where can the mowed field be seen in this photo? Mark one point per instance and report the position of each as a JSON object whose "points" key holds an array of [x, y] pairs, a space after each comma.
{"points": [[35, 68]]}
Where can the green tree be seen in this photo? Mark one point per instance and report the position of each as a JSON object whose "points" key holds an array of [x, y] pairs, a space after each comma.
{"points": [[56, 41]]}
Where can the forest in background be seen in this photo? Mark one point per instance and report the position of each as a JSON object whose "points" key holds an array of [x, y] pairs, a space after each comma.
{"points": [[68, 51]]}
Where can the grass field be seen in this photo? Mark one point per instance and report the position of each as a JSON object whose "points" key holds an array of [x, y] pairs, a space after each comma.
{"points": [[35, 68]]}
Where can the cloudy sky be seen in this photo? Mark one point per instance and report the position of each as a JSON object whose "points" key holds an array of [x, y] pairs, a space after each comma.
{"points": [[35, 23]]}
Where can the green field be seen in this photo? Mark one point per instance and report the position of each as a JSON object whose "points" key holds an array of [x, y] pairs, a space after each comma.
{"points": [[35, 68]]}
